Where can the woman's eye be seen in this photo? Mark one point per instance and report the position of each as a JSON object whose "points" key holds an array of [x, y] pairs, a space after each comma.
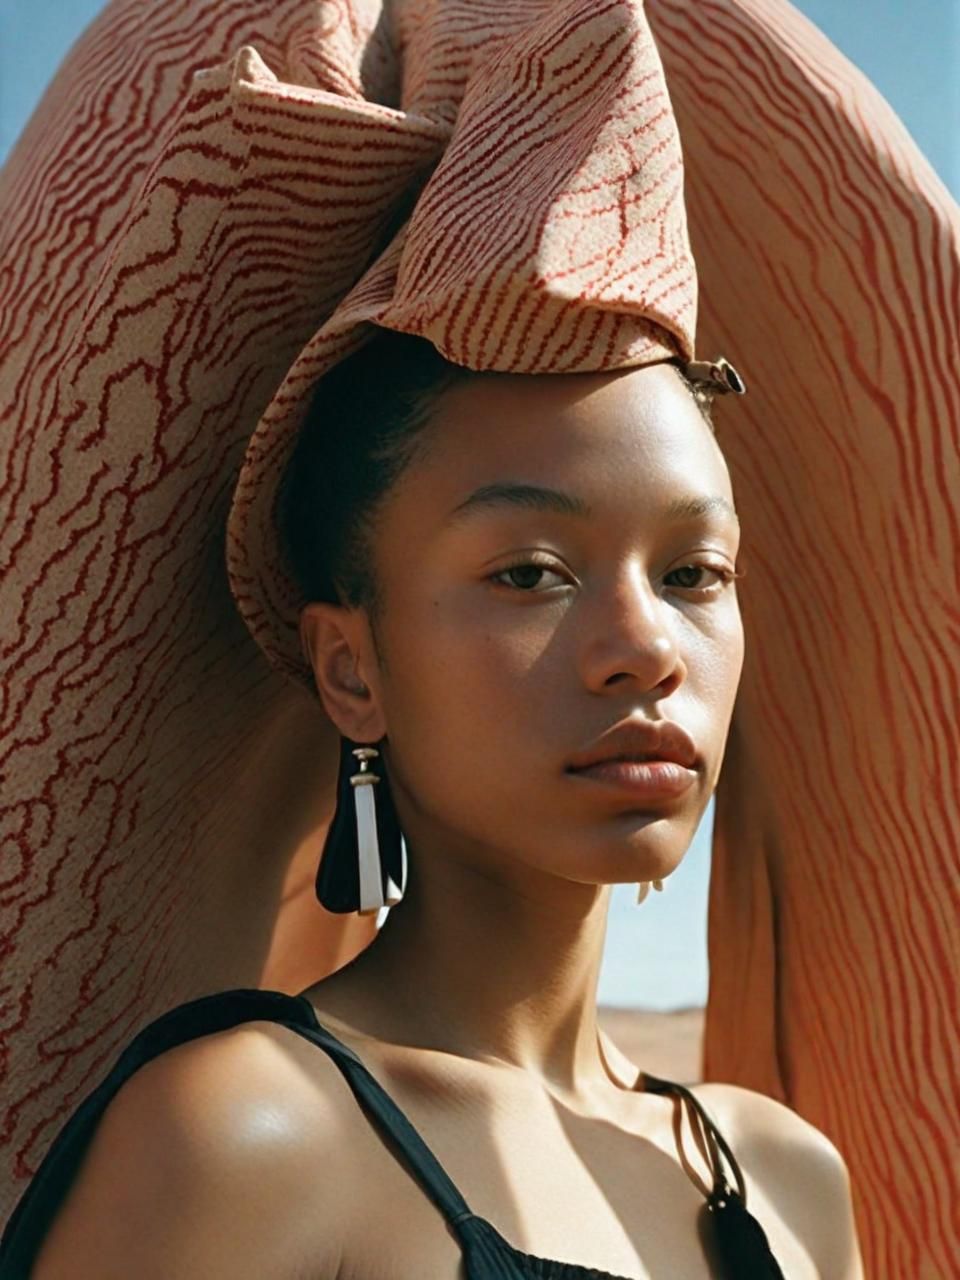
{"points": [[527, 576], [723, 573], [524, 576]]}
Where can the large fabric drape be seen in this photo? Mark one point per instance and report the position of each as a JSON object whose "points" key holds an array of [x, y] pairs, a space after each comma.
{"points": [[164, 790], [829, 263]]}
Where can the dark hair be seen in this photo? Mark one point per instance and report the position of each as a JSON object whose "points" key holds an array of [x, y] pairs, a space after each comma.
{"points": [[702, 392], [361, 430]]}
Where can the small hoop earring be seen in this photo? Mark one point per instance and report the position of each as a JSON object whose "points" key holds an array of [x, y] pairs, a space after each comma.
{"points": [[643, 888]]}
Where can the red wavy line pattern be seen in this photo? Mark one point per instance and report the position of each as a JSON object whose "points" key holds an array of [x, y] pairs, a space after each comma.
{"points": [[168, 294]]}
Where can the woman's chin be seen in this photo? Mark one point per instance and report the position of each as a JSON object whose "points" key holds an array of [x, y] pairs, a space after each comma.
{"points": [[637, 847], [620, 866]]}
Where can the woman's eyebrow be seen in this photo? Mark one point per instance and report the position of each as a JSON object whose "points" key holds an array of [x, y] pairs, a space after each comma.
{"points": [[689, 508], [491, 496]]}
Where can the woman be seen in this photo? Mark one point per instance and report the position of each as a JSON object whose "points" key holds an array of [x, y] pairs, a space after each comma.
{"points": [[512, 627], [203, 172]]}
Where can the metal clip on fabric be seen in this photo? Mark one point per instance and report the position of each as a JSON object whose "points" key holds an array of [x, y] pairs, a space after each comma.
{"points": [[719, 373]]}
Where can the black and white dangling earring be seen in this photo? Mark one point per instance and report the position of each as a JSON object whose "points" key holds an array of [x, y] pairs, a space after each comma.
{"points": [[643, 888], [363, 866], [373, 896]]}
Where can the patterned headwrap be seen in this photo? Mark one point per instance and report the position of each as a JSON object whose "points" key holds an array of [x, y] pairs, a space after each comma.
{"points": [[192, 230], [548, 234]]}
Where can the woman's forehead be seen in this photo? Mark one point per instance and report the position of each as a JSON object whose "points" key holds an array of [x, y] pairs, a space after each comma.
{"points": [[490, 429]]}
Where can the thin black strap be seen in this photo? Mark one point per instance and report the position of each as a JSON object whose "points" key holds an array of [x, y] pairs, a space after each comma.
{"points": [[738, 1241], [27, 1226], [38, 1205], [716, 1142], [391, 1121]]}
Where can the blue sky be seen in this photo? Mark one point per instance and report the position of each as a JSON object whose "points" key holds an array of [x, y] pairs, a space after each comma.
{"points": [[656, 953]]}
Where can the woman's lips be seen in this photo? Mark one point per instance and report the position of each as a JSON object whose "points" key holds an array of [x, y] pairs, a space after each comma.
{"points": [[642, 779]]}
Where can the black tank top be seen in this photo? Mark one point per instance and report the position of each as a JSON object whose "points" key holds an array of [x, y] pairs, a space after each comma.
{"points": [[741, 1247]]}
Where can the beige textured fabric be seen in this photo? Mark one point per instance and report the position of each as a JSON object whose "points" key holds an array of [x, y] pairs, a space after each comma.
{"points": [[562, 128], [169, 293], [828, 255]]}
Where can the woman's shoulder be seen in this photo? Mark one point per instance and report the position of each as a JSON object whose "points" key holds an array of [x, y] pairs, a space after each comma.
{"points": [[795, 1166], [748, 1118], [223, 1155], [257, 1089]]}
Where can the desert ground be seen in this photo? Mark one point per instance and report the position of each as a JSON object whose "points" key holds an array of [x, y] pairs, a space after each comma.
{"points": [[665, 1044]]}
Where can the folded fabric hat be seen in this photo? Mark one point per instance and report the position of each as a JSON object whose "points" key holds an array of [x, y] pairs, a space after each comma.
{"points": [[549, 237], [165, 253], [191, 232]]}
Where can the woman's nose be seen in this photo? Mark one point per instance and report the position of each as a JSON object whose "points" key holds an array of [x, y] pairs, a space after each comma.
{"points": [[630, 634]]}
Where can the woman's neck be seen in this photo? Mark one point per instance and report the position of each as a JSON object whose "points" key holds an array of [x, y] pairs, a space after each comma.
{"points": [[468, 966]]}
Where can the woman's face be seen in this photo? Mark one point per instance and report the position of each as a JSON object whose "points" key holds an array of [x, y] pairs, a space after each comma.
{"points": [[614, 609]]}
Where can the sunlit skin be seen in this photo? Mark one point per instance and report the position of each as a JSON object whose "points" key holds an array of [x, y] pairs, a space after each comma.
{"points": [[486, 682], [243, 1153]]}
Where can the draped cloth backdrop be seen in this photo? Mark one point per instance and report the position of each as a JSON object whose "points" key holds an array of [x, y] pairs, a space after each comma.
{"points": [[164, 789]]}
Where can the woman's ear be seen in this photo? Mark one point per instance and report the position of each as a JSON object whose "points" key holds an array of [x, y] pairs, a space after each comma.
{"points": [[336, 642]]}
